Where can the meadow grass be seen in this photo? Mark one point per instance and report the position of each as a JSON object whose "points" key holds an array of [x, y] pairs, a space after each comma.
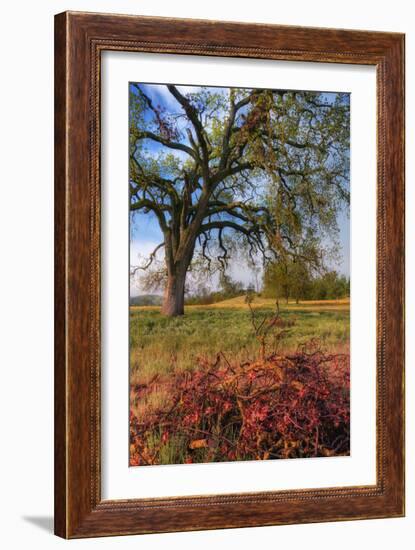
{"points": [[161, 345]]}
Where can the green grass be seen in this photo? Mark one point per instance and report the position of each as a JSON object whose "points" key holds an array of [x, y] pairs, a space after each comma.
{"points": [[161, 345]]}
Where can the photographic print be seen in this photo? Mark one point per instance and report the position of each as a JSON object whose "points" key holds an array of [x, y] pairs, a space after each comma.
{"points": [[239, 270]]}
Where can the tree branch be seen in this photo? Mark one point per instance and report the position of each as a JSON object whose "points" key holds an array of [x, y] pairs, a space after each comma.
{"points": [[194, 119], [171, 144], [150, 260], [235, 107], [230, 171], [156, 208], [222, 224]]}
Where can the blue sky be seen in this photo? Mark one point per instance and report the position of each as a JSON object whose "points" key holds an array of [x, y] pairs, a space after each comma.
{"points": [[145, 233]]}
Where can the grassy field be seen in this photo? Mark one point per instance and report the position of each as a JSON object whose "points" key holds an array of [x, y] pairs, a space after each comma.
{"points": [[185, 374], [161, 345]]}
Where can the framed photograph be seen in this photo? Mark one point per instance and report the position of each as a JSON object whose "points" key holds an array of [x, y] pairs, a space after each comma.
{"points": [[229, 276]]}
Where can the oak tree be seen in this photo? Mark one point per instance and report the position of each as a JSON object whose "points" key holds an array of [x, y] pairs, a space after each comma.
{"points": [[264, 171]]}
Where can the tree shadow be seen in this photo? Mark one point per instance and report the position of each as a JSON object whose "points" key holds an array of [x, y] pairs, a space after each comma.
{"points": [[43, 522]]}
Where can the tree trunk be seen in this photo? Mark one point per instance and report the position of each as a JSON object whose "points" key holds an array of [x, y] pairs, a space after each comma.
{"points": [[177, 264], [173, 303]]}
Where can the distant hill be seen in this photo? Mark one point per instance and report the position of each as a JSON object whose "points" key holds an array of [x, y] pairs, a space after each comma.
{"points": [[146, 300]]}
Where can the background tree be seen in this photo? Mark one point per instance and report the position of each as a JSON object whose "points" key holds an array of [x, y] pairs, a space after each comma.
{"points": [[330, 286], [229, 287], [277, 281], [293, 280], [300, 280], [263, 170]]}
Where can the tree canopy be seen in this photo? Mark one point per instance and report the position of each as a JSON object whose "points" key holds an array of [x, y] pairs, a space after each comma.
{"points": [[226, 170], [293, 280]]}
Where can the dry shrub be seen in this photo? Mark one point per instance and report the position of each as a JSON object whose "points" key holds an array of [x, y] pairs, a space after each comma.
{"points": [[279, 406]]}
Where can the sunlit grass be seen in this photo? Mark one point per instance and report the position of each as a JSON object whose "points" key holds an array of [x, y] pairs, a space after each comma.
{"points": [[259, 302], [161, 345]]}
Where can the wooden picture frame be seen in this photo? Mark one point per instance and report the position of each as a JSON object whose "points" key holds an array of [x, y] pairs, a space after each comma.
{"points": [[79, 40]]}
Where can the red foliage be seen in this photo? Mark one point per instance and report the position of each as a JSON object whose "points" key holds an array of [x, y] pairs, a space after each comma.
{"points": [[281, 406]]}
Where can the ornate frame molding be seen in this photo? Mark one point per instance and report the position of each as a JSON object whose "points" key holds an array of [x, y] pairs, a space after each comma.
{"points": [[79, 40]]}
